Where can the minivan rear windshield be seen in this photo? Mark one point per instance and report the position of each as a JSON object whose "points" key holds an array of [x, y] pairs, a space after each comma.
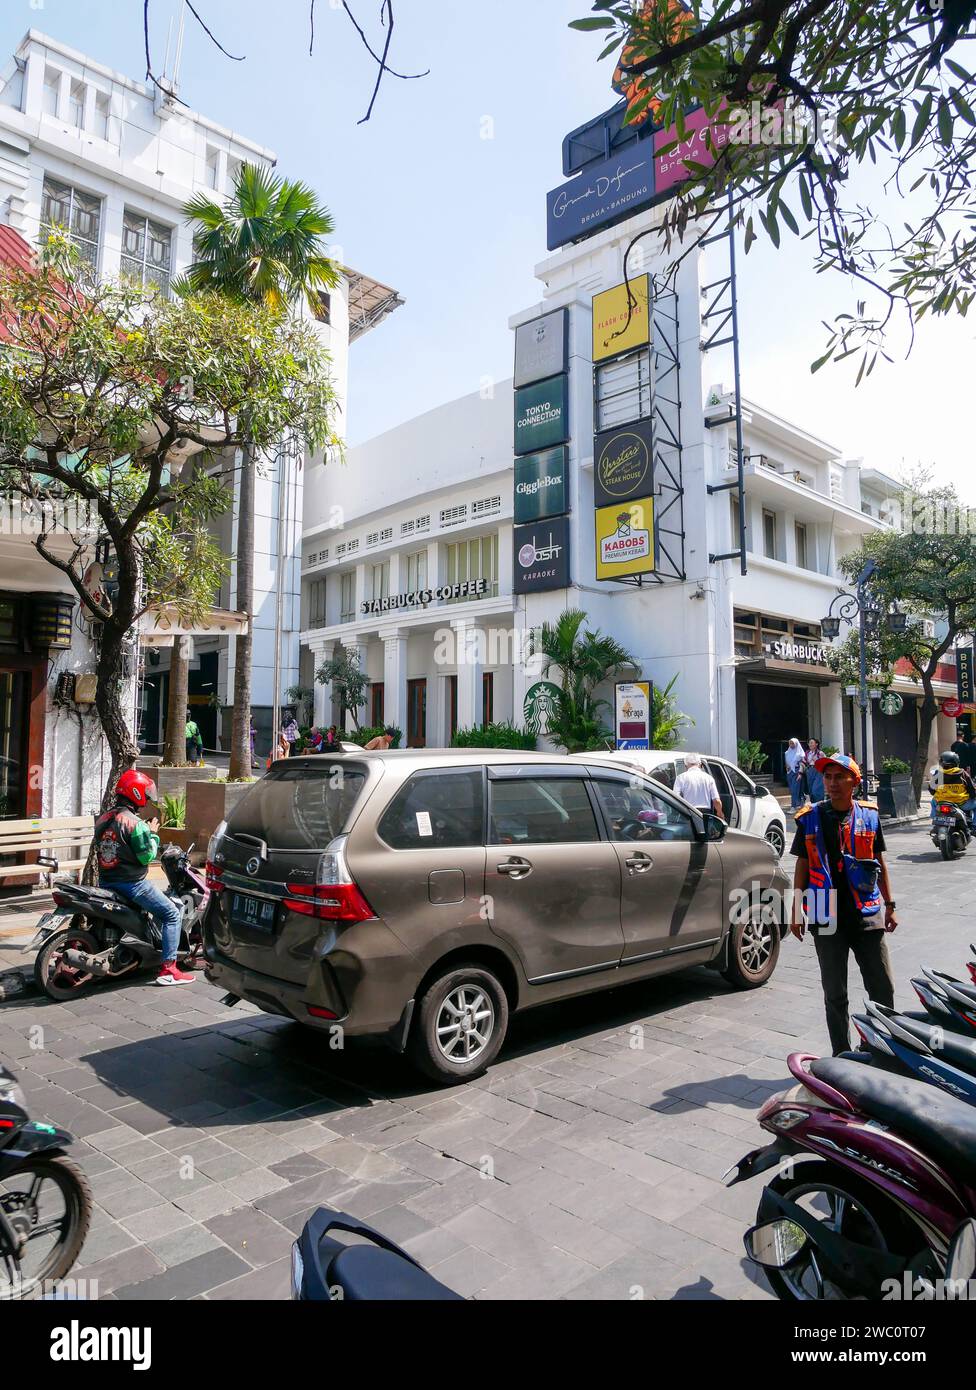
{"points": [[299, 807]]}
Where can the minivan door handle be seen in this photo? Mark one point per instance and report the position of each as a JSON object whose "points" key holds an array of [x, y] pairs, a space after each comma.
{"points": [[639, 863], [515, 868]]}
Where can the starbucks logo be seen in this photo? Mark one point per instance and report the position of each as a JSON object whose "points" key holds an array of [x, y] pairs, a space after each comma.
{"points": [[541, 706]]}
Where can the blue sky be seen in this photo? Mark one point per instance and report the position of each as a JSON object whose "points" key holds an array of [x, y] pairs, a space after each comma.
{"points": [[456, 222]]}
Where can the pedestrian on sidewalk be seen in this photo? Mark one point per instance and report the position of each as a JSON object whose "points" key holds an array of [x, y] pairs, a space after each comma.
{"points": [[843, 893], [290, 731], [795, 767], [698, 787], [194, 741], [814, 781]]}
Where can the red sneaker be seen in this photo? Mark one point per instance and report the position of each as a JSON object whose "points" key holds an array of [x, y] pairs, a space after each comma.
{"points": [[171, 974]]}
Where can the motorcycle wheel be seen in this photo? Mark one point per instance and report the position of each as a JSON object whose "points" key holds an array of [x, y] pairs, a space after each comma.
{"points": [[61, 982], [846, 1204], [27, 1196], [944, 848]]}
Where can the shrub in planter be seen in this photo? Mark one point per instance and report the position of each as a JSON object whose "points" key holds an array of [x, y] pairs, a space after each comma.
{"points": [[364, 736], [502, 736]]}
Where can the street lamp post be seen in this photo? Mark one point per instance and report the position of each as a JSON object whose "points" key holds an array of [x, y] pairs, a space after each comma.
{"points": [[869, 612]]}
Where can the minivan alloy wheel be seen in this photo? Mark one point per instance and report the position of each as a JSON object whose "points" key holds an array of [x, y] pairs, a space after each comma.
{"points": [[755, 946], [465, 1023]]}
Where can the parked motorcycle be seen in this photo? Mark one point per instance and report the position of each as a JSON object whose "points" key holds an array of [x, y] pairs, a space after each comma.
{"points": [[951, 830], [45, 1201], [910, 1046], [947, 1001], [971, 965], [881, 1183], [95, 934], [325, 1270]]}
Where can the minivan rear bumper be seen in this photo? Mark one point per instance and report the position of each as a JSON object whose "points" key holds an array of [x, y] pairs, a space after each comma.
{"points": [[369, 991]]}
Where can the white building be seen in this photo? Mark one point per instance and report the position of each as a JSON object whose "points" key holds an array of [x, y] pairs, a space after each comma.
{"points": [[115, 161], [429, 505]]}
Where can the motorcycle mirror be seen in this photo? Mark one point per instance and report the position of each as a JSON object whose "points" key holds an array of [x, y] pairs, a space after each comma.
{"points": [[776, 1244], [961, 1260]]}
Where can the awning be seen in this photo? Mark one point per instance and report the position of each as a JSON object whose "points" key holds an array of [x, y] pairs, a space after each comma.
{"points": [[159, 627]]}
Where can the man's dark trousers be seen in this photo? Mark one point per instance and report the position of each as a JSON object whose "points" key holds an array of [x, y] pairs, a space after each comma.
{"points": [[870, 950]]}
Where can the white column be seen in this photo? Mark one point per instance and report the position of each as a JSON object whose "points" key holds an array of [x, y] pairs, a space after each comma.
{"points": [[437, 733], [832, 716], [395, 679], [470, 669], [64, 96], [322, 715]]}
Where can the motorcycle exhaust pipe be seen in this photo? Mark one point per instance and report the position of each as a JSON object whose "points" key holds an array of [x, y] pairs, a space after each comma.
{"points": [[92, 965]]}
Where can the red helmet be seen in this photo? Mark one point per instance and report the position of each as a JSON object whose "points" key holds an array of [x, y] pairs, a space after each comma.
{"points": [[136, 787]]}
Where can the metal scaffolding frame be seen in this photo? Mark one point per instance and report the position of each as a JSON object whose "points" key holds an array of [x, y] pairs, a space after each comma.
{"points": [[720, 327]]}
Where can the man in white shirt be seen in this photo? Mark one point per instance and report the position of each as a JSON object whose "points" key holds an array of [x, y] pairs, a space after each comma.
{"points": [[698, 786]]}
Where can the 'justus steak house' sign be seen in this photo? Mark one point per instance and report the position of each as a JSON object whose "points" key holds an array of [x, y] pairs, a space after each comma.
{"points": [[624, 467], [420, 598]]}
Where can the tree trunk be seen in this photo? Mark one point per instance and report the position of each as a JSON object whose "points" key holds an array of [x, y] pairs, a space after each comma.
{"points": [[174, 745], [112, 717], [927, 717], [240, 741]]}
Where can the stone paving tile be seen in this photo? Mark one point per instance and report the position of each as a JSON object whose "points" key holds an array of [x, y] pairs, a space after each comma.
{"points": [[253, 1236], [193, 1276]]}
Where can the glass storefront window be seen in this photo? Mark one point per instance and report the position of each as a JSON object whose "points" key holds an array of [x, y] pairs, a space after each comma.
{"points": [[13, 743]]}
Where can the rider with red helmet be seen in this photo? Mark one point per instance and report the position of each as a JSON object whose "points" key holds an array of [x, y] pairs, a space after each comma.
{"points": [[125, 846]]}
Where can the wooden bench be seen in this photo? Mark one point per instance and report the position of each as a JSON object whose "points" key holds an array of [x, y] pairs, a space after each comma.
{"points": [[54, 844]]}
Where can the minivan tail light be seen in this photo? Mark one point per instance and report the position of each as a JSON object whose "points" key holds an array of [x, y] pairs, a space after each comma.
{"points": [[335, 896]]}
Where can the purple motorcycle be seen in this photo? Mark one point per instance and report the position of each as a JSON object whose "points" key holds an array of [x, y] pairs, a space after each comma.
{"points": [[876, 1188]]}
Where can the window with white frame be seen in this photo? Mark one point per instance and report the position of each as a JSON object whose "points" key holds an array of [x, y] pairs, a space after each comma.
{"points": [[317, 612], [147, 250], [76, 105], [803, 548], [103, 112], [347, 597], [78, 213], [769, 534], [381, 581], [52, 86], [416, 571], [213, 168], [474, 559]]}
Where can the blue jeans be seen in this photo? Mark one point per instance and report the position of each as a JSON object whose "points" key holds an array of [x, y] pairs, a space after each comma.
{"points": [[815, 784], [152, 899], [796, 789]]}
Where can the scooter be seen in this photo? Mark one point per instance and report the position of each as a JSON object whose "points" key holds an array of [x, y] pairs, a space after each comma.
{"points": [[951, 830], [326, 1270], [94, 934], [971, 964], [909, 1046], [947, 1001], [883, 1194], [45, 1200]]}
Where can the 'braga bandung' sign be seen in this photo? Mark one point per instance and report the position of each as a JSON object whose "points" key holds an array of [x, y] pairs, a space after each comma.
{"points": [[541, 415], [601, 194], [540, 485], [623, 465], [420, 598], [542, 556]]}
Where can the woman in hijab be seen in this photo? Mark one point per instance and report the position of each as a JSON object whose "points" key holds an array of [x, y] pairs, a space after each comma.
{"points": [[795, 765]]}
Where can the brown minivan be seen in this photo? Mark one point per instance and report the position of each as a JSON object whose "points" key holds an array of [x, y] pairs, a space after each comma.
{"points": [[425, 896]]}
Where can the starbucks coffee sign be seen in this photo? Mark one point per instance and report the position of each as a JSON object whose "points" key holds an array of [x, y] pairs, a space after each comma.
{"points": [[421, 598], [623, 467], [808, 653]]}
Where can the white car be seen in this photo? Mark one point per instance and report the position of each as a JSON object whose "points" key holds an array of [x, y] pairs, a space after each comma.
{"points": [[747, 806]]}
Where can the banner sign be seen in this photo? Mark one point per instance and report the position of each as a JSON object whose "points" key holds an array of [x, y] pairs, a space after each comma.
{"points": [[540, 485], [602, 194], [633, 714], [542, 348], [541, 415], [964, 676], [625, 539], [952, 708], [621, 322], [623, 464], [542, 556], [670, 169]]}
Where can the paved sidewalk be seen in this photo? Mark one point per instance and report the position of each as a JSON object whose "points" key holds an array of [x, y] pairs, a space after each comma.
{"points": [[586, 1165]]}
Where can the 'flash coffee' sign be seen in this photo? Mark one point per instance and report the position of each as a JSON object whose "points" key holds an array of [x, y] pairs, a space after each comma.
{"points": [[624, 464], [542, 556], [540, 485], [541, 415], [420, 598]]}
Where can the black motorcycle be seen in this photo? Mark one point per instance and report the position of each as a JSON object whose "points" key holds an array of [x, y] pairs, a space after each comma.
{"points": [[95, 934], [951, 829], [45, 1201], [327, 1270]]}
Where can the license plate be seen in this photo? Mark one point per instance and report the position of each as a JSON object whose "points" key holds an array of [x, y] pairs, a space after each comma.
{"points": [[945, 820], [257, 913]]}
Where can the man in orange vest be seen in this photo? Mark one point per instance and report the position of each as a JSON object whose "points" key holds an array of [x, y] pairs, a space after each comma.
{"points": [[842, 879]]}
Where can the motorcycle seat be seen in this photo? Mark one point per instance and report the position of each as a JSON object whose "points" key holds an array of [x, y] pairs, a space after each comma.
{"points": [[947, 1045], [365, 1274], [940, 1124]]}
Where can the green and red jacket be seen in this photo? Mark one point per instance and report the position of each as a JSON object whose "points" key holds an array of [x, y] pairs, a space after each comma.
{"points": [[124, 845]]}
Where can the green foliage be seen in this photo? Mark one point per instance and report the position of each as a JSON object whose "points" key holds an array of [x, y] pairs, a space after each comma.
{"points": [[750, 755], [897, 767], [585, 660], [364, 736], [303, 698], [892, 80], [349, 683], [495, 736], [667, 721], [173, 811]]}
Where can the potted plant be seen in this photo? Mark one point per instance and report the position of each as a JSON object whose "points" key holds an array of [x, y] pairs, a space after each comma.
{"points": [[895, 794], [172, 820], [752, 758]]}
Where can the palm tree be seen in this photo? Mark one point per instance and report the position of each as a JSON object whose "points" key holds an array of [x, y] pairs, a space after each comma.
{"points": [[265, 244], [585, 660]]}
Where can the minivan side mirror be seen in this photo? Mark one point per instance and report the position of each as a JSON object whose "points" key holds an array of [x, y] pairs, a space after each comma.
{"points": [[715, 826]]}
